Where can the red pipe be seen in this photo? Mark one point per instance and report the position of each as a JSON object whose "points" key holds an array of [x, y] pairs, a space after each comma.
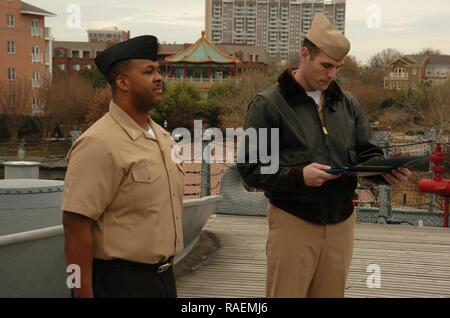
{"points": [[446, 211], [438, 185]]}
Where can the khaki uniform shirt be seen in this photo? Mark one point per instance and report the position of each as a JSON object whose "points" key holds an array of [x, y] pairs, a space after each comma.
{"points": [[125, 179]]}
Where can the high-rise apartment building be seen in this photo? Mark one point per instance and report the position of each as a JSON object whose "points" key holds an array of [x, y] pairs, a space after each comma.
{"points": [[279, 26]]}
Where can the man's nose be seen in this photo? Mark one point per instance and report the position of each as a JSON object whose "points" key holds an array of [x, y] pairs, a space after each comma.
{"points": [[158, 77], [332, 73]]}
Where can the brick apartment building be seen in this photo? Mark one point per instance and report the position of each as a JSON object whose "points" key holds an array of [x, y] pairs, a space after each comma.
{"points": [[79, 55], [408, 71], [75, 55], [25, 45]]}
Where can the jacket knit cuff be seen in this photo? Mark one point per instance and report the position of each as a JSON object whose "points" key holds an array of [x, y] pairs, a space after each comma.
{"points": [[296, 178]]}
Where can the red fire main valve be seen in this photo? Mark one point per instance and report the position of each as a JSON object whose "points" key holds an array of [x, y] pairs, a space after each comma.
{"points": [[438, 185]]}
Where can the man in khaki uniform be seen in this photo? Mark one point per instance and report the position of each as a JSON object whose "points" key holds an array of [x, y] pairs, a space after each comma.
{"points": [[123, 192], [310, 215]]}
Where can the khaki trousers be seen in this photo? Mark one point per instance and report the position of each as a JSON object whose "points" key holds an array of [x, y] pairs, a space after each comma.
{"points": [[306, 259]]}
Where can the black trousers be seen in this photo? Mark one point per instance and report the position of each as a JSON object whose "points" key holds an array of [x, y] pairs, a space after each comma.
{"points": [[124, 279]]}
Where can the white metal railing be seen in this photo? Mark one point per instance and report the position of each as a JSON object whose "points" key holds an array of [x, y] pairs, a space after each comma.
{"points": [[36, 83], [36, 31], [36, 58], [48, 33], [399, 75], [174, 79]]}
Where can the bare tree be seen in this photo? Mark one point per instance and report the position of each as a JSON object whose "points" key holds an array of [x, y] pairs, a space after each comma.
{"points": [[434, 112], [427, 51], [234, 97], [381, 59], [425, 108], [351, 71], [65, 101], [15, 103], [369, 96], [48, 116], [98, 107]]}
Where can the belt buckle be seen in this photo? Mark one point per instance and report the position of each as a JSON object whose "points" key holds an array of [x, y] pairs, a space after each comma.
{"points": [[163, 268]]}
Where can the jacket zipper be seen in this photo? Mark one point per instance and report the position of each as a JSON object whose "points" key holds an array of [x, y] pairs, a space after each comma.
{"points": [[324, 131]]}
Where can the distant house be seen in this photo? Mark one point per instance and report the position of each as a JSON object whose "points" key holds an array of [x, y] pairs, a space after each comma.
{"points": [[438, 68], [408, 71]]}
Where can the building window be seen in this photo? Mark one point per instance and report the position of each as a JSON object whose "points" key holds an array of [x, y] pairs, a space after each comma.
{"points": [[75, 54], [36, 105], [11, 73], [61, 53], [62, 67], [10, 20], [414, 70], [86, 54], [76, 67], [36, 55], [399, 72], [11, 47], [87, 67], [35, 29], [36, 81]]}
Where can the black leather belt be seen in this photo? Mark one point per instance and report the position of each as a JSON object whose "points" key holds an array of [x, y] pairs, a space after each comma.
{"points": [[134, 266]]}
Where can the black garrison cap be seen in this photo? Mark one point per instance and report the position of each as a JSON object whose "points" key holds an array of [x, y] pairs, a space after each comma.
{"points": [[143, 47]]}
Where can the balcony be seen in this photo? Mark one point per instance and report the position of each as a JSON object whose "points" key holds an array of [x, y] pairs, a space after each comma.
{"points": [[47, 59], [36, 58], [36, 31], [36, 83], [48, 33], [393, 75]]}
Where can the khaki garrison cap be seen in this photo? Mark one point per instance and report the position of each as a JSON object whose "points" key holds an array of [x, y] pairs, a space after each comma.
{"points": [[328, 38]]}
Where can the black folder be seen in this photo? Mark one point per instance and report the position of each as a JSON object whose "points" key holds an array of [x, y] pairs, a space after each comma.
{"points": [[377, 166]]}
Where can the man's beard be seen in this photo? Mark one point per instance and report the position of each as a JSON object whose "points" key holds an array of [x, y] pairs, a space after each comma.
{"points": [[143, 104]]}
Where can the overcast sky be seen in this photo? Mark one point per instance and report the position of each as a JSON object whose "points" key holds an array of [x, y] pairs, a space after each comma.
{"points": [[407, 25]]}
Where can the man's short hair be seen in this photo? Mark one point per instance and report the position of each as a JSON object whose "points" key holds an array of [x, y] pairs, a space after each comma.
{"points": [[115, 70], [312, 48]]}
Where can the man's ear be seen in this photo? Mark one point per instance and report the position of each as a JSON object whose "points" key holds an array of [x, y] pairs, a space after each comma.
{"points": [[304, 54], [122, 82]]}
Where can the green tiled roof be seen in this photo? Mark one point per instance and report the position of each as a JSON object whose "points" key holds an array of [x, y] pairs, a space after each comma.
{"points": [[202, 52]]}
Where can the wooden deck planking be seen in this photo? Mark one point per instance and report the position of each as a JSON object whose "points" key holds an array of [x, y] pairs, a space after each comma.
{"points": [[414, 262]]}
